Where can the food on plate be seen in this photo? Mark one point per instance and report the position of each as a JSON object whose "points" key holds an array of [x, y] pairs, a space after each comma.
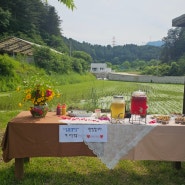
{"points": [[164, 119], [180, 119], [104, 117], [80, 113]]}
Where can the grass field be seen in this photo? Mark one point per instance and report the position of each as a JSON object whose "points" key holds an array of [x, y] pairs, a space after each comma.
{"points": [[162, 99]]}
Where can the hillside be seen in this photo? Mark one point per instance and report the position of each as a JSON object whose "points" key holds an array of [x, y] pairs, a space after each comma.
{"points": [[117, 54]]}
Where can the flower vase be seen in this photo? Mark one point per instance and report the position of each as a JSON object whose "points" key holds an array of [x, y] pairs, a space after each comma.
{"points": [[39, 111]]}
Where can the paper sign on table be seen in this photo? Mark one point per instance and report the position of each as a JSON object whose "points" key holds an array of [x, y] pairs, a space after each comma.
{"points": [[80, 133], [95, 133], [70, 133]]}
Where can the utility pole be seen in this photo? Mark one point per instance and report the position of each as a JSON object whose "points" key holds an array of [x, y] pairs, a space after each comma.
{"points": [[113, 42]]}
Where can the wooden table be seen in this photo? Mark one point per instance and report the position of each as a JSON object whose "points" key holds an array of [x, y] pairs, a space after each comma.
{"points": [[27, 137]]}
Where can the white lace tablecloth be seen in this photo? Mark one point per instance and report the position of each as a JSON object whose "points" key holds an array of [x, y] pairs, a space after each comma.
{"points": [[121, 139]]}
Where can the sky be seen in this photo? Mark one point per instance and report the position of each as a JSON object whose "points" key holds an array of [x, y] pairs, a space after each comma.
{"points": [[118, 22]]}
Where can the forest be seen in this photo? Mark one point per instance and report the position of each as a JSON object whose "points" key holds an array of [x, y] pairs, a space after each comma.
{"points": [[38, 22]]}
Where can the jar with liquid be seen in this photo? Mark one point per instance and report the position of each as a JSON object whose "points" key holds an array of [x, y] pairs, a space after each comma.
{"points": [[118, 107], [58, 109], [139, 103], [63, 109]]}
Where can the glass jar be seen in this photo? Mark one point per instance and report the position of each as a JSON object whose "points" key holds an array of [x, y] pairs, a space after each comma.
{"points": [[118, 107], [97, 113], [139, 103]]}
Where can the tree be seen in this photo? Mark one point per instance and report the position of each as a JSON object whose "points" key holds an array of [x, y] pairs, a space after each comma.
{"points": [[109, 64], [174, 70], [83, 62], [125, 65], [153, 62], [50, 21], [82, 55], [77, 65], [181, 63], [7, 66], [4, 19], [174, 45], [141, 64], [69, 3]]}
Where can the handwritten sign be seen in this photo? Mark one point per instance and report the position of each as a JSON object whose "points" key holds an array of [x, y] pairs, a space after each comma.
{"points": [[70, 133], [95, 133], [80, 133]]}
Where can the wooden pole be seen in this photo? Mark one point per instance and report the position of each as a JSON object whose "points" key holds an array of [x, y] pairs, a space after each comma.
{"points": [[177, 165], [19, 168], [183, 110]]}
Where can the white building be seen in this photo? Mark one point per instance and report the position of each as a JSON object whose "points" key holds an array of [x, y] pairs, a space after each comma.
{"points": [[100, 68]]}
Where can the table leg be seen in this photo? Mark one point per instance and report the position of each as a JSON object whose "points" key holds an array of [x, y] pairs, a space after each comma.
{"points": [[19, 168], [177, 165], [26, 160]]}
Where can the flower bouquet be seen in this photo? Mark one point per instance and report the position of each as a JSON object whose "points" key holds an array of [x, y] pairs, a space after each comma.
{"points": [[38, 93]]}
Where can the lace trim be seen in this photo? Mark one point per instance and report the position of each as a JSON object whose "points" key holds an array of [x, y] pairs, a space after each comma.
{"points": [[121, 139]]}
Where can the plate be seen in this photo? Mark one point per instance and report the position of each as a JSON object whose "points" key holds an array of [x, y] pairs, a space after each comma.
{"points": [[80, 113]]}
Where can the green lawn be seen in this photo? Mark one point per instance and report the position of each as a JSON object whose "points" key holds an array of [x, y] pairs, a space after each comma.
{"points": [[162, 98]]}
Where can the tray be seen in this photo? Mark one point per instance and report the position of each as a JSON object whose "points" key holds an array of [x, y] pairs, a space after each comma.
{"points": [[80, 113]]}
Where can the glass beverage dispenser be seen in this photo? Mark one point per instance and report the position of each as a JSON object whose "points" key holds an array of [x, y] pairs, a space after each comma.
{"points": [[139, 103], [118, 107]]}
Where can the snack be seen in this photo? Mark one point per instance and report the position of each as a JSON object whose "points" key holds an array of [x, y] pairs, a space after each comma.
{"points": [[180, 119], [164, 119]]}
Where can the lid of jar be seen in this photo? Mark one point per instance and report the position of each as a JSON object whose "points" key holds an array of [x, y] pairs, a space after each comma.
{"points": [[118, 97], [139, 93]]}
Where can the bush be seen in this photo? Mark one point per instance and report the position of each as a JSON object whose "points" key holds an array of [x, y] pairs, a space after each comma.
{"points": [[7, 66]]}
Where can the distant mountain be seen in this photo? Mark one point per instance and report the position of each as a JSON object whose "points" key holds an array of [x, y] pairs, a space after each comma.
{"points": [[155, 43]]}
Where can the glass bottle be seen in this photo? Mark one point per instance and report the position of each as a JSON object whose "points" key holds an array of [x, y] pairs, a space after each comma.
{"points": [[58, 111], [63, 107]]}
